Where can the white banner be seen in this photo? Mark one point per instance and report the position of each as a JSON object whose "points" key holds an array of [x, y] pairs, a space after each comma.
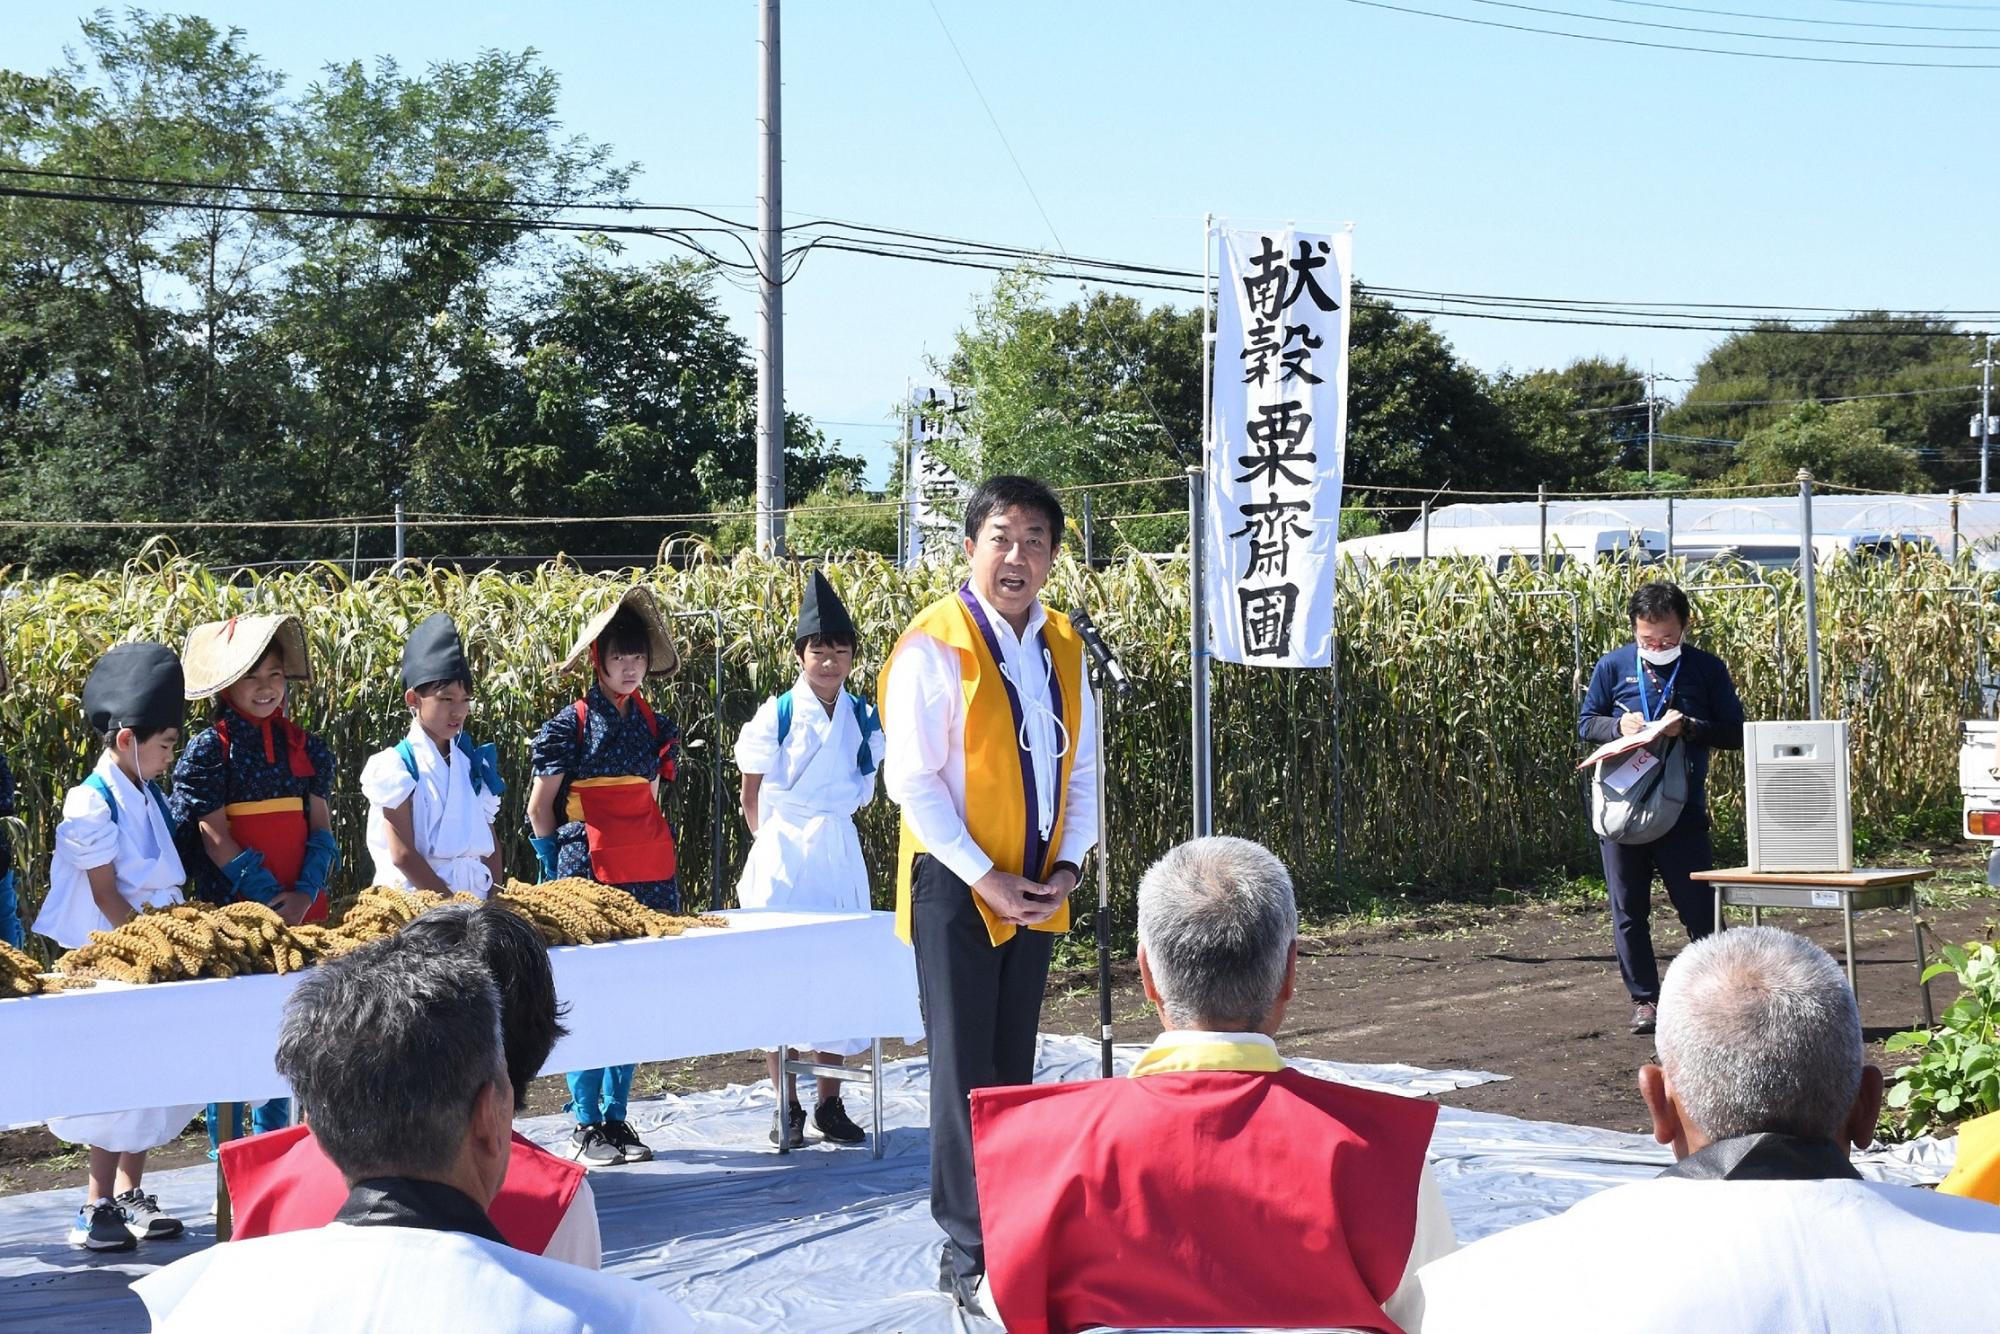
{"points": [[1278, 440], [933, 495]]}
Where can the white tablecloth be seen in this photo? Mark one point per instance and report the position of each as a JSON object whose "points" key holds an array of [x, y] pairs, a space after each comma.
{"points": [[765, 979]]}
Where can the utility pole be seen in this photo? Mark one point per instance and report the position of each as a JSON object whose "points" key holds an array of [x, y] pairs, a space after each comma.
{"points": [[1650, 408], [1985, 410], [771, 323]]}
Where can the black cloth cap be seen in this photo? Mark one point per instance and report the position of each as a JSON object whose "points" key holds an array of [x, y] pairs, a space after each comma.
{"points": [[822, 613], [137, 686], [435, 653]]}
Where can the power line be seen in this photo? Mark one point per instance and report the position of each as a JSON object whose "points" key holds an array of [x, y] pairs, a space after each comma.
{"points": [[1687, 317], [1732, 32], [1792, 18], [1668, 46]]}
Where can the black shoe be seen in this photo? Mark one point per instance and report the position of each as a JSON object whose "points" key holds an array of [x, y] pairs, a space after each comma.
{"points": [[101, 1227], [797, 1138], [1645, 1017], [626, 1140], [588, 1145], [833, 1122], [143, 1218]]}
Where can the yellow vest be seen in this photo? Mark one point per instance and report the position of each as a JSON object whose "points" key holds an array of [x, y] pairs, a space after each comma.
{"points": [[996, 798], [1976, 1173]]}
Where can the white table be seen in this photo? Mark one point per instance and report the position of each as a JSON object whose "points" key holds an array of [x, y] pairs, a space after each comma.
{"points": [[766, 979]]}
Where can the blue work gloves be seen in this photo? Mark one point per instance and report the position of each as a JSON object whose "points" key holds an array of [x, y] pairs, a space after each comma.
{"points": [[545, 853], [249, 877], [10, 912], [322, 856]]}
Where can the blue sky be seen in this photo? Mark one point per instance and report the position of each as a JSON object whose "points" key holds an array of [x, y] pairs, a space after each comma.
{"points": [[1468, 158]]}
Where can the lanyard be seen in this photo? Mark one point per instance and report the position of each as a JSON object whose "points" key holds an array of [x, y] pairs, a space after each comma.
{"points": [[1666, 691], [1035, 849]]}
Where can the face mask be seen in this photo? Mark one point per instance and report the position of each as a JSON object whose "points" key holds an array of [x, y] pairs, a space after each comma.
{"points": [[1660, 657]]}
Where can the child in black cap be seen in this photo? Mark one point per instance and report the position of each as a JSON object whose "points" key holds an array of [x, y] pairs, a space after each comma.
{"points": [[115, 855]]}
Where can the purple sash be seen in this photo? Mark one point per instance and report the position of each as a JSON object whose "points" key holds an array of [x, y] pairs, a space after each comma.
{"points": [[1034, 848]]}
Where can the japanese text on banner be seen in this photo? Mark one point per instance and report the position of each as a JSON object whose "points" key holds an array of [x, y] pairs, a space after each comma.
{"points": [[1277, 446]]}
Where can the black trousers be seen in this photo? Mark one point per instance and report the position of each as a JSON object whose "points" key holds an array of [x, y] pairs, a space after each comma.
{"points": [[1628, 875], [982, 1006]]}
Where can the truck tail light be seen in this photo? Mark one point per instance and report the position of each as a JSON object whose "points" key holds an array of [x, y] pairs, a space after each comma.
{"points": [[1983, 823]]}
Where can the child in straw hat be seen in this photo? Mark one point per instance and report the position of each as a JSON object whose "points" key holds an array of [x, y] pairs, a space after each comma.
{"points": [[433, 796], [251, 789], [594, 811], [114, 855]]}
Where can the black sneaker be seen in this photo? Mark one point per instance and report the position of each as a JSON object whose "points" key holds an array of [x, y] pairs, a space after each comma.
{"points": [[588, 1145], [626, 1141], [1645, 1017], [797, 1138], [834, 1123], [143, 1218], [101, 1227]]}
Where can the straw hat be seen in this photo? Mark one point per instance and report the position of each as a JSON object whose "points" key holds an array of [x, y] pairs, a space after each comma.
{"points": [[662, 658], [221, 653]]}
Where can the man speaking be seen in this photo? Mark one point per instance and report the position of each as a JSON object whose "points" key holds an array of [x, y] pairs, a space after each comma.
{"points": [[992, 756]]}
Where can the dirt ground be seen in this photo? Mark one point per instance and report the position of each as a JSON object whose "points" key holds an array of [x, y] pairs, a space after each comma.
{"points": [[1527, 991]]}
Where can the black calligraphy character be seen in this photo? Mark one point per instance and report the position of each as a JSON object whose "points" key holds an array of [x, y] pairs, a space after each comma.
{"points": [[1267, 619], [1298, 360], [1272, 520], [1275, 438], [1264, 288], [1258, 349], [1305, 266]]}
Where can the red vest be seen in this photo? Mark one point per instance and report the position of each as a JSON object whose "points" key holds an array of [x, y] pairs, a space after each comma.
{"points": [[1212, 1197], [281, 1182]]}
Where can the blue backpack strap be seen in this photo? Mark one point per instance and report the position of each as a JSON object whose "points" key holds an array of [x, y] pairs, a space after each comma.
{"points": [[160, 800], [784, 716], [103, 789], [407, 756], [870, 723], [485, 764], [96, 780]]}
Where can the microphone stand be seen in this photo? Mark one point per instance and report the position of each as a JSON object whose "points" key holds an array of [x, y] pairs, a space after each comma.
{"points": [[1104, 673]]}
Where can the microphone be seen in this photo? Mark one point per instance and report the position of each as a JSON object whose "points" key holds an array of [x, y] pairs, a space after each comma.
{"points": [[1100, 654]]}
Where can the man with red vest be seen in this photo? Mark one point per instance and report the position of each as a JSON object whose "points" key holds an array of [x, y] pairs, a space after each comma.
{"points": [[992, 756], [1216, 1187]]}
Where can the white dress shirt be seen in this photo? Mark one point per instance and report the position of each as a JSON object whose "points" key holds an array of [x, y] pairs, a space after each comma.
{"points": [[924, 772]]}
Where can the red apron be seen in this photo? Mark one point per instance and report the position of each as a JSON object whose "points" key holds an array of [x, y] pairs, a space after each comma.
{"points": [[277, 828], [628, 837]]}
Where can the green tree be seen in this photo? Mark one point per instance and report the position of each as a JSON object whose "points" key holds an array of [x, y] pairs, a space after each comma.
{"points": [[1914, 370], [1841, 443], [839, 518]]}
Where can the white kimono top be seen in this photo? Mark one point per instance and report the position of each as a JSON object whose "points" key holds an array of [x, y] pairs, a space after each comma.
{"points": [[452, 821], [394, 1280], [139, 847], [1672, 1256], [136, 844], [807, 854]]}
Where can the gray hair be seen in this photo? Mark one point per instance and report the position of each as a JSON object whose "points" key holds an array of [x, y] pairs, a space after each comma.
{"points": [[1217, 920], [1759, 1032], [387, 1047]]}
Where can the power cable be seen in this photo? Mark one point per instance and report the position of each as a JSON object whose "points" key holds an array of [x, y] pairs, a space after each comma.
{"points": [[1669, 46], [1732, 32], [1792, 18]]}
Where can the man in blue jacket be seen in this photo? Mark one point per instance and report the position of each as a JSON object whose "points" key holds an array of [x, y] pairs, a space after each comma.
{"points": [[1655, 677]]}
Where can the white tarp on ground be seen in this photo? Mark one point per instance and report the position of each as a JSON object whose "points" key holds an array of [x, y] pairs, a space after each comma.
{"points": [[830, 1239]]}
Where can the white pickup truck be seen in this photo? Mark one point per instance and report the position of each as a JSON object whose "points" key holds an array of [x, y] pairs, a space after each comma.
{"points": [[1979, 786]]}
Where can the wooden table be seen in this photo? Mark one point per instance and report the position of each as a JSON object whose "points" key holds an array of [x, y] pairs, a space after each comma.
{"points": [[1847, 892]]}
